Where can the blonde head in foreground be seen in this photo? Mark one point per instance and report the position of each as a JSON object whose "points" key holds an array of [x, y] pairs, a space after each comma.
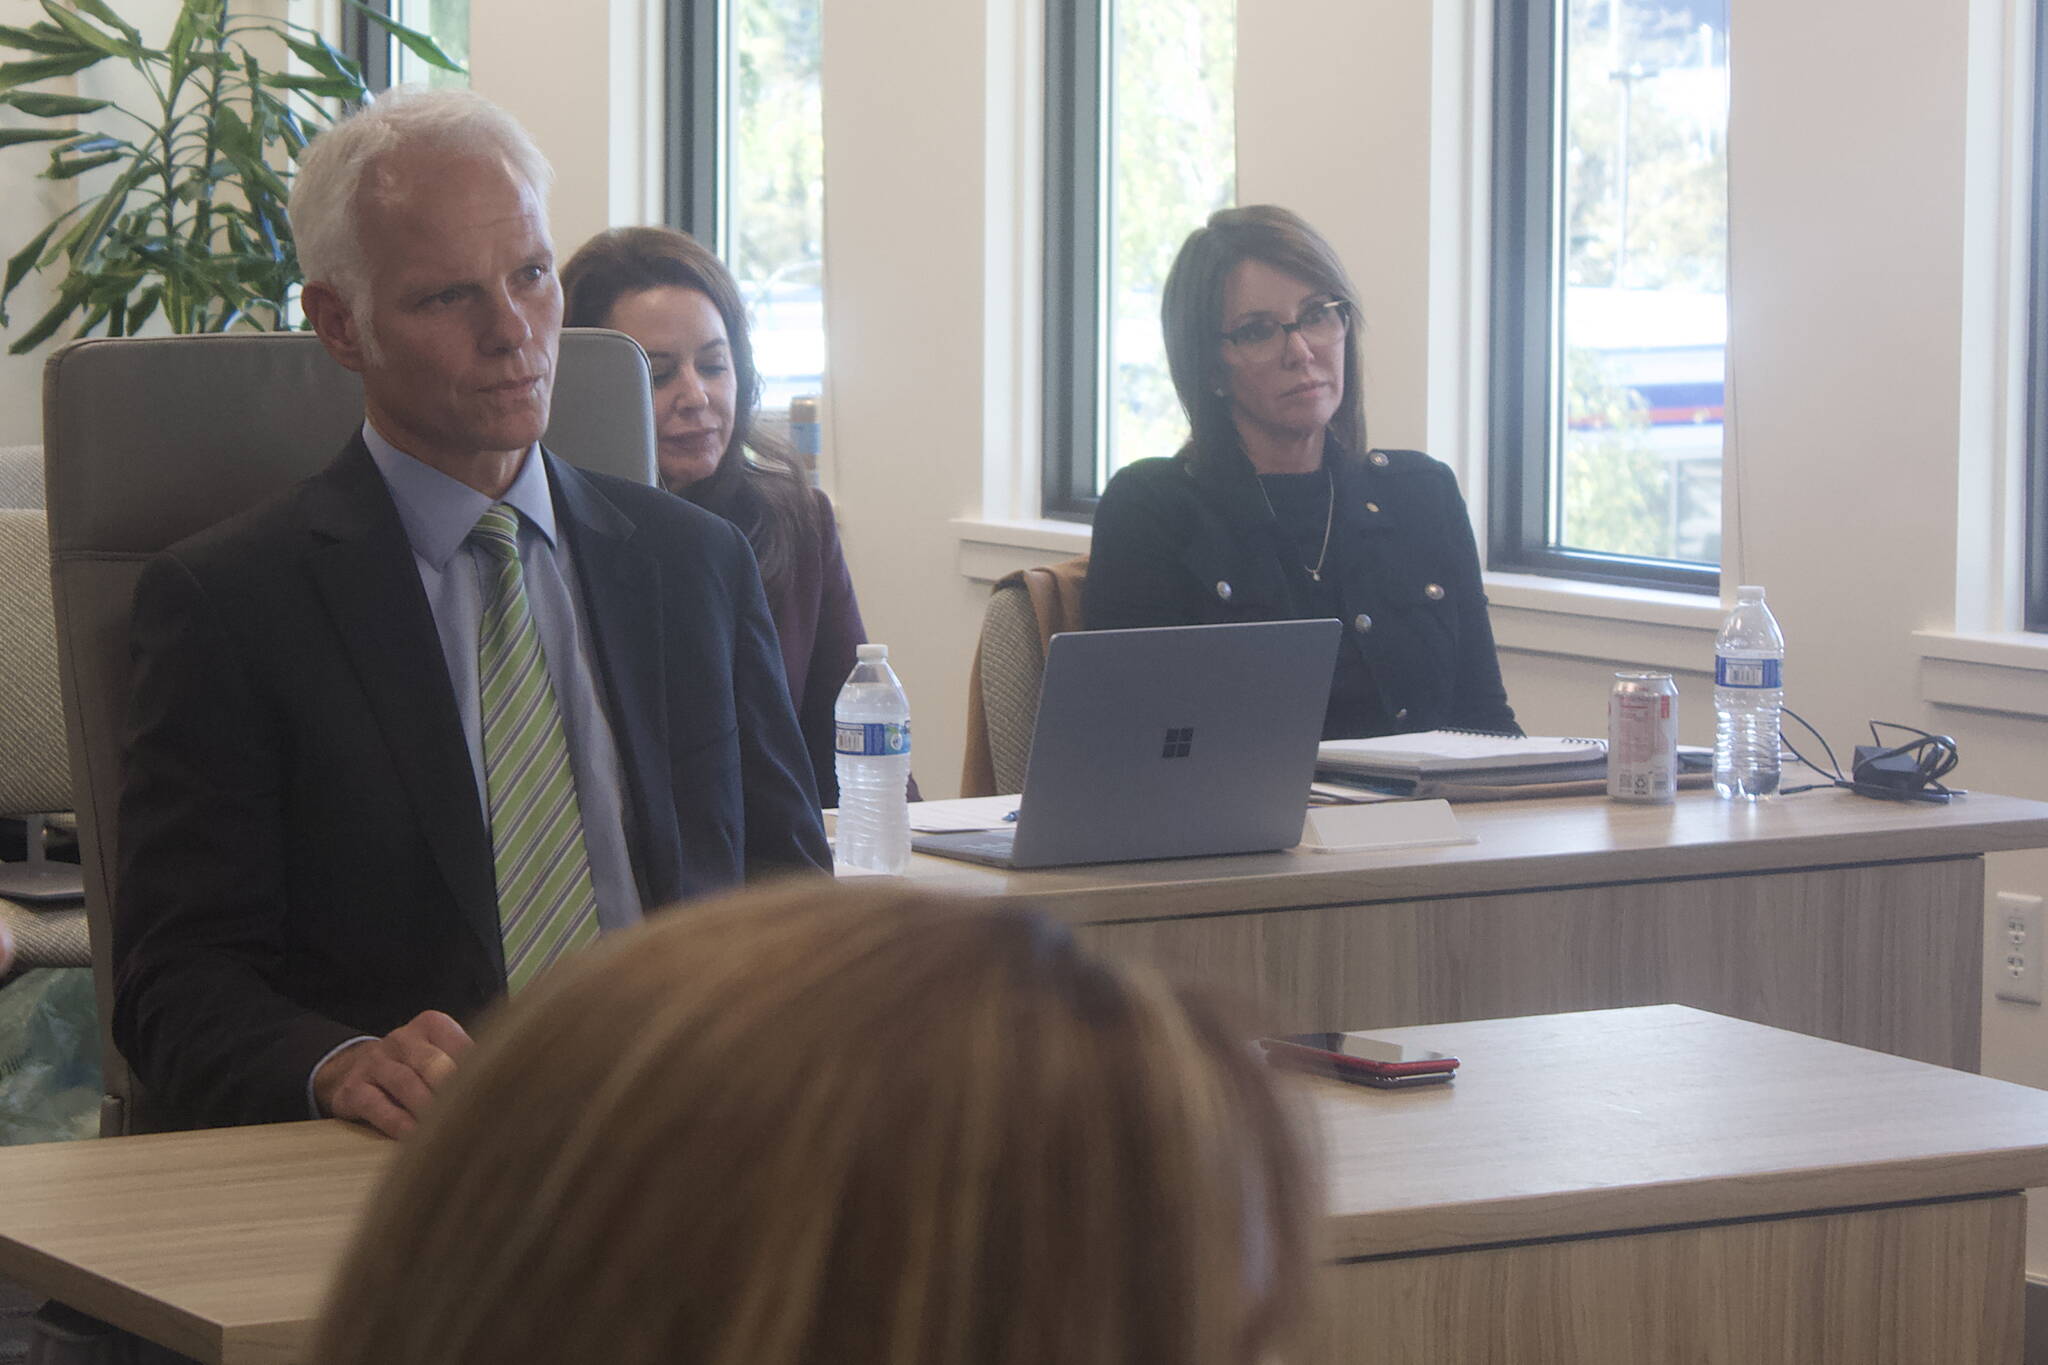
{"points": [[839, 1125]]}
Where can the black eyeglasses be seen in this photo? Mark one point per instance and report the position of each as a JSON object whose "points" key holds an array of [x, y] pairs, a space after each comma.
{"points": [[1319, 325]]}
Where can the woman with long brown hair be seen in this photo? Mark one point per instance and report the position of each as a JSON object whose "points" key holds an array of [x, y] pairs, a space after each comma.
{"points": [[819, 1126], [666, 291]]}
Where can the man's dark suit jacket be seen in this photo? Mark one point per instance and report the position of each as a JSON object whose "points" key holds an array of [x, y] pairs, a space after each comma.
{"points": [[304, 858]]}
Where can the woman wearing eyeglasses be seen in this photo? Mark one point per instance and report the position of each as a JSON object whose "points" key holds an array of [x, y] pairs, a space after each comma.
{"points": [[1276, 508]]}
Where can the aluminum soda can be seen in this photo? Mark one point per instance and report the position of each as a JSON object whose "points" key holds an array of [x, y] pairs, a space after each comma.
{"points": [[1642, 738]]}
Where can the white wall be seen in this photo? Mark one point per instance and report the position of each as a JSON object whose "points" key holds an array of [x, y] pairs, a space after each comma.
{"points": [[585, 80]]}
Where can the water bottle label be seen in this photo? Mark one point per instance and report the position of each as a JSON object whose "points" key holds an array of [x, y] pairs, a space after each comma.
{"points": [[871, 739], [1764, 674]]}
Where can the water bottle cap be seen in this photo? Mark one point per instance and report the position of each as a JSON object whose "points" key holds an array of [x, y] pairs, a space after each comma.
{"points": [[1749, 593], [871, 654]]}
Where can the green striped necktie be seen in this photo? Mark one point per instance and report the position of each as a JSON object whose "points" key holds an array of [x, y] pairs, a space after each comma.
{"points": [[546, 903]]}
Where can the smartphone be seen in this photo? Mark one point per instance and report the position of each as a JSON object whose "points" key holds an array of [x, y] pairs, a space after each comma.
{"points": [[1361, 1058]]}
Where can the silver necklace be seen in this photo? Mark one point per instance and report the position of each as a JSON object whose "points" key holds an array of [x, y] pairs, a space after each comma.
{"points": [[1329, 520]]}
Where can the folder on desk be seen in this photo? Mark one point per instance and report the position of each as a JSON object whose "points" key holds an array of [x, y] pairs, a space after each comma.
{"points": [[1461, 757]]}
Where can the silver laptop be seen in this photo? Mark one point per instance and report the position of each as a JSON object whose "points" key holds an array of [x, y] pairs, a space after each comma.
{"points": [[1176, 742]]}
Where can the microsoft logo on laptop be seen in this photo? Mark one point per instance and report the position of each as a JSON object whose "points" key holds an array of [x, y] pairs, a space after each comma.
{"points": [[1178, 742]]}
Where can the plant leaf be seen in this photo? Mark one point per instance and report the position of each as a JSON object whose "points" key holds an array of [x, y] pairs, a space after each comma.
{"points": [[23, 261], [310, 55], [348, 65], [86, 33], [95, 142], [414, 41], [144, 305], [39, 105], [10, 137], [324, 59], [81, 246], [231, 134], [99, 10], [295, 135], [70, 170], [40, 37], [46, 326], [336, 87], [43, 68]]}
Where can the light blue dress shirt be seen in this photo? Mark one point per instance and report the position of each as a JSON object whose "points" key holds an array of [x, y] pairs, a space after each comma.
{"points": [[438, 514]]}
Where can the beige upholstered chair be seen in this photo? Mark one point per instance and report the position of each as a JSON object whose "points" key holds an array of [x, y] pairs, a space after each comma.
{"points": [[1012, 673], [1025, 610], [150, 440], [21, 476], [35, 775]]}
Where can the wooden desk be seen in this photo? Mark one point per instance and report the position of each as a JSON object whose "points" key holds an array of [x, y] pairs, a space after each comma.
{"points": [[1825, 913], [1633, 1186], [1663, 1185], [217, 1244]]}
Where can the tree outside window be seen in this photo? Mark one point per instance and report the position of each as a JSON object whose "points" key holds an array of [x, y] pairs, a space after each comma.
{"points": [[1611, 293]]}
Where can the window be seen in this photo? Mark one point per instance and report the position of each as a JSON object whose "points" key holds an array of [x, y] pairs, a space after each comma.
{"points": [[2036, 533], [387, 61], [747, 172], [1140, 133], [1609, 289]]}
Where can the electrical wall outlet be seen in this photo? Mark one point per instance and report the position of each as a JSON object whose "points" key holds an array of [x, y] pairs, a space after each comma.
{"points": [[2017, 949]]}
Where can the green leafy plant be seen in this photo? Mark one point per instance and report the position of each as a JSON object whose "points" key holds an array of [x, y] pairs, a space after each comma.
{"points": [[192, 221]]}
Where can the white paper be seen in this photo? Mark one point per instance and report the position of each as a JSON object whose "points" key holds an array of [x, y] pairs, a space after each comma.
{"points": [[1406, 824], [1456, 753], [964, 813]]}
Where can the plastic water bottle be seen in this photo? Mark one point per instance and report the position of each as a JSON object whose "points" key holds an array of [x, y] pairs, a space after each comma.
{"points": [[1749, 691], [871, 724], [805, 434]]}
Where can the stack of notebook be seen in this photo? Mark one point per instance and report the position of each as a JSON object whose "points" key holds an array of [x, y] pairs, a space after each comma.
{"points": [[1414, 764]]}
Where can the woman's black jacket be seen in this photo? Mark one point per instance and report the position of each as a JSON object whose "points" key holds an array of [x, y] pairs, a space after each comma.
{"points": [[1189, 541]]}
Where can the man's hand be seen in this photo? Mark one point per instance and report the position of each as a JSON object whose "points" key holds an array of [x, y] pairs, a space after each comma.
{"points": [[387, 1082]]}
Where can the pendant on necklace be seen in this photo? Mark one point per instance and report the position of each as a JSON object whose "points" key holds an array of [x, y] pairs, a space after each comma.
{"points": [[1316, 574]]}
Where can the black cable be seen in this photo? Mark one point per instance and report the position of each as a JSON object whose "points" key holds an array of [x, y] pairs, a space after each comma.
{"points": [[1834, 777], [1934, 757]]}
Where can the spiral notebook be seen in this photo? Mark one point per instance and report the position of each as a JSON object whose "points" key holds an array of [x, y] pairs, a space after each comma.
{"points": [[1439, 755]]}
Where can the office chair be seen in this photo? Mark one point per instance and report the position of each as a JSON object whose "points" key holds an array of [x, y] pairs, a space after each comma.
{"points": [[1025, 610], [37, 897], [21, 476], [149, 440]]}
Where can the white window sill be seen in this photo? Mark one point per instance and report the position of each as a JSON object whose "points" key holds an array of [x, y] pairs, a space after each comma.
{"points": [[991, 549], [1531, 614], [2005, 672], [1624, 627]]}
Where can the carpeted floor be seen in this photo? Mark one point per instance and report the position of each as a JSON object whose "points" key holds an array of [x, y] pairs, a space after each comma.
{"points": [[16, 1304]]}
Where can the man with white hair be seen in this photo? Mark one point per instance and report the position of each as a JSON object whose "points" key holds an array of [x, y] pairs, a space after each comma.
{"points": [[440, 714]]}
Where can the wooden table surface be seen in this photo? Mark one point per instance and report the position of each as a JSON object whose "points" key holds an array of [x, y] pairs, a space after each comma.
{"points": [[217, 1244], [1567, 1124], [220, 1244], [1556, 841]]}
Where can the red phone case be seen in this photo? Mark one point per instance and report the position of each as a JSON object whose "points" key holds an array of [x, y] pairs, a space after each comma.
{"points": [[1300, 1054]]}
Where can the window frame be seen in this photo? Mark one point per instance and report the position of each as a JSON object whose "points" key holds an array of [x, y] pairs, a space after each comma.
{"points": [[1078, 87], [1524, 338], [694, 118], [2034, 610], [367, 45]]}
